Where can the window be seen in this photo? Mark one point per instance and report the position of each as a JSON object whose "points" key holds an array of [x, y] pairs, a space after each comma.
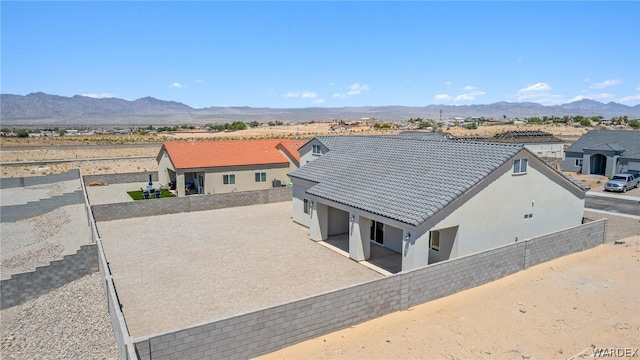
{"points": [[435, 240], [261, 177], [520, 166], [578, 162], [316, 150], [228, 179], [307, 206]]}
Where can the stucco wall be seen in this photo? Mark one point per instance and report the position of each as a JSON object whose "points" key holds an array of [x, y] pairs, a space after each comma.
{"points": [[338, 222], [306, 152], [496, 215], [164, 165], [569, 162], [553, 151], [244, 178], [298, 196], [266, 330], [393, 238]]}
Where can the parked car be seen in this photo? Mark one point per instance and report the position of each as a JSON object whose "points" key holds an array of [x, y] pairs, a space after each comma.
{"points": [[622, 182]]}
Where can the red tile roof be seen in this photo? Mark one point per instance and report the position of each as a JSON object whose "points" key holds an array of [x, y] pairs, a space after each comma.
{"points": [[203, 154]]}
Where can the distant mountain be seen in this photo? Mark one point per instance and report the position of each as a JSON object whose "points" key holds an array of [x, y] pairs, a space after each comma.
{"points": [[43, 109]]}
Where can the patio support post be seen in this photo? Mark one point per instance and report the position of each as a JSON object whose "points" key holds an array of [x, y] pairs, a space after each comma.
{"points": [[180, 184], [415, 250], [359, 245], [319, 222]]}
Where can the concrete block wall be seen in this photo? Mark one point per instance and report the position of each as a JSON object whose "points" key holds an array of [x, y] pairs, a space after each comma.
{"points": [[151, 207], [39, 180], [124, 178], [449, 277], [564, 242], [266, 330], [124, 342], [25, 286]]}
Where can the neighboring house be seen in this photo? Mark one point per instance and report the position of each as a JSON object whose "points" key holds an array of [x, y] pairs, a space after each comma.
{"points": [[340, 128], [541, 143], [210, 167], [604, 152], [428, 200], [425, 135]]}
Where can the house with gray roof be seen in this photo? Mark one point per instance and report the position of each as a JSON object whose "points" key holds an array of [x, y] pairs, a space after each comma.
{"points": [[428, 200], [604, 152]]}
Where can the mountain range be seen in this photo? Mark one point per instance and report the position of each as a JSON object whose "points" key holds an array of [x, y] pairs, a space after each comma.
{"points": [[40, 109]]}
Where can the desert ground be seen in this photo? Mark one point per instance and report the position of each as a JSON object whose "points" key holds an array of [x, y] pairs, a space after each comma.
{"points": [[555, 310], [16, 150], [551, 311]]}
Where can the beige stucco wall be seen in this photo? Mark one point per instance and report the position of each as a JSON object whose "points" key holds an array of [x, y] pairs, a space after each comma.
{"points": [[306, 152], [244, 177], [548, 150], [495, 215], [163, 165]]}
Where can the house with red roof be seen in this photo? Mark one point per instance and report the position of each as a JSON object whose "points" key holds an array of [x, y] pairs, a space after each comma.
{"points": [[214, 167]]}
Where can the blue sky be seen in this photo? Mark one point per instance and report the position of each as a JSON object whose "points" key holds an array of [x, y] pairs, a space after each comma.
{"points": [[329, 54]]}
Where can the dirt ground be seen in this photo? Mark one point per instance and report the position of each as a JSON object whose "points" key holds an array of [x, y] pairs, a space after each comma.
{"points": [[74, 147], [553, 310]]}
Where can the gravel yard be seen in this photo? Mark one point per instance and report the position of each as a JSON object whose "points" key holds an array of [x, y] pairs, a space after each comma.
{"points": [[71, 322]]}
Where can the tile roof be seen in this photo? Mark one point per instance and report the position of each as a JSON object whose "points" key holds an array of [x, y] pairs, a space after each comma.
{"points": [[408, 180], [619, 140], [515, 137], [204, 154]]}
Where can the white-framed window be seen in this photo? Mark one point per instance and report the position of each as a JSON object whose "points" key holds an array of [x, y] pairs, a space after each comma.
{"points": [[261, 177], [316, 150], [520, 166], [434, 240], [229, 179], [578, 162], [307, 206]]}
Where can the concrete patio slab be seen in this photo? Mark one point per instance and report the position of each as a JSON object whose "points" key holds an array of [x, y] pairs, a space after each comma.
{"points": [[112, 193], [175, 271]]}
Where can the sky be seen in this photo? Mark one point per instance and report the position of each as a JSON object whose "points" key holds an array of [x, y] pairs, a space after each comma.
{"points": [[324, 54]]}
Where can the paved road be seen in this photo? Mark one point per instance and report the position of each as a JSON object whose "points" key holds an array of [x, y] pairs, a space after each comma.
{"points": [[56, 161], [80, 147], [623, 206]]}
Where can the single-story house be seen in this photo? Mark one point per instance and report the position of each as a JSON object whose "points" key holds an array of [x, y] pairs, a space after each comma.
{"points": [[428, 200], [212, 167], [604, 152], [541, 143]]}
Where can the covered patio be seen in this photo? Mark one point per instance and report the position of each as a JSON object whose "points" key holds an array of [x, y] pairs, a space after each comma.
{"points": [[381, 256]]}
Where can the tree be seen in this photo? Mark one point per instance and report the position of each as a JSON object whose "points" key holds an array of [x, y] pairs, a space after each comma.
{"points": [[585, 121], [23, 133], [254, 124], [634, 124], [424, 125]]}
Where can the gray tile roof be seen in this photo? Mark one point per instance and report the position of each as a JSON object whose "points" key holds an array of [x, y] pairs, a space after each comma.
{"points": [[627, 140], [408, 180], [425, 135]]}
